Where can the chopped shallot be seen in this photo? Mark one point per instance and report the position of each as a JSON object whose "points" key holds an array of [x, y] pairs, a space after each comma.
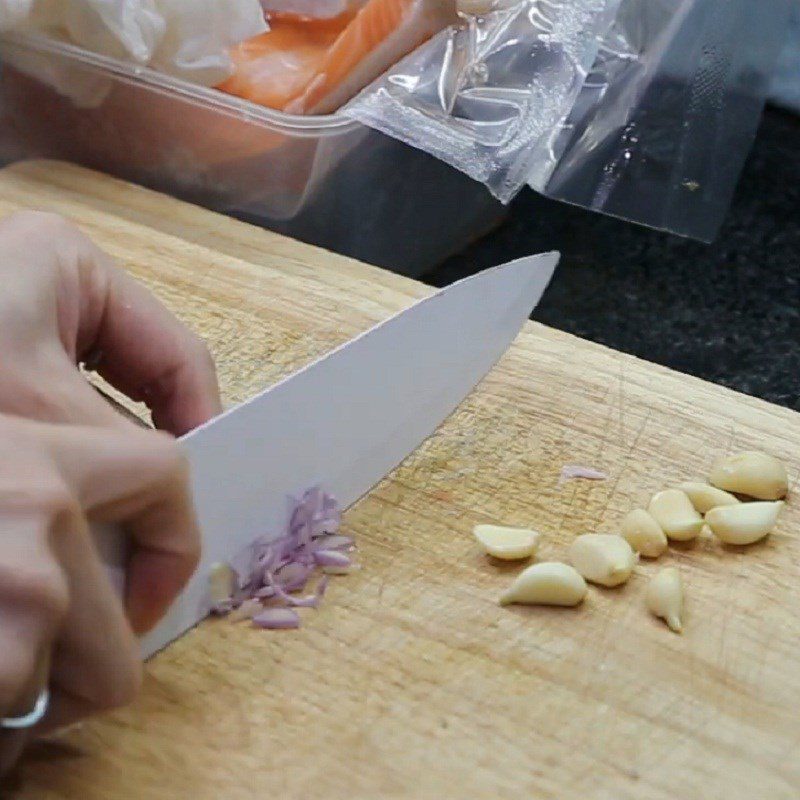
{"points": [[292, 577], [309, 601], [277, 619], [335, 542], [247, 610], [270, 570], [331, 558], [569, 471]]}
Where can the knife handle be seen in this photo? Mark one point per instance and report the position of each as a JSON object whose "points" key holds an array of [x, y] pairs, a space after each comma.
{"points": [[117, 406], [110, 540]]}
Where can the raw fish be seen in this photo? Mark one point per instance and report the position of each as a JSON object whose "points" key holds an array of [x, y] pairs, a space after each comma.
{"points": [[313, 66]]}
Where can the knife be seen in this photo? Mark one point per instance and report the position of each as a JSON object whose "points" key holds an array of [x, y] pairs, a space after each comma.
{"points": [[343, 422]]}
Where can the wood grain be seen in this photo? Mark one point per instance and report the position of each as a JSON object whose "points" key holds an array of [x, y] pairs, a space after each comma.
{"points": [[411, 682]]}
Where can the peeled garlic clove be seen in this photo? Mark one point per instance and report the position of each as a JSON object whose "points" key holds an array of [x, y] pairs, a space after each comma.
{"points": [[643, 533], [752, 473], [508, 544], [602, 558], [664, 597], [220, 582], [744, 523], [550, 583], [673, 511], [705, 497]]}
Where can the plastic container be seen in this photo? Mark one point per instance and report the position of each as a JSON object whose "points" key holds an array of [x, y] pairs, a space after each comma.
{"points": [[325, 180]]}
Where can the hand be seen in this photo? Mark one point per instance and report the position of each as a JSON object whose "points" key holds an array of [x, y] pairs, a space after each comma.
{"points": [[63, 301], [57, 606]]}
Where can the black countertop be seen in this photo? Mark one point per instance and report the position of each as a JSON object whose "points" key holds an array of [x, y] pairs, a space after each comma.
{"points": [[728, 312]]}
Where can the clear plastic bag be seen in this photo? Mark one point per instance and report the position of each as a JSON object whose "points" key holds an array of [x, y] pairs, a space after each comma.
{"points": [[489, 97], [643, 109], [666, 117], [785, 89]]}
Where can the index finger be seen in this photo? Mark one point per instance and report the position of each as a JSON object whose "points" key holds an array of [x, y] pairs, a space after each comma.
{"points": [[147, 353]]}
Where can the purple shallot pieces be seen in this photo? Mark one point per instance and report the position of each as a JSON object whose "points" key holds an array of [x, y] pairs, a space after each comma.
{"points": [[267, 572]]}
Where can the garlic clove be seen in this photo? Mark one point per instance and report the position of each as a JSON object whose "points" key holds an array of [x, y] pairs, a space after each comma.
{"points": [[602, 558], [664, 597], [705, 497], [673, 511], [643, 533], [550, 583], [220, 582], [752, 473], [508, 544], [744, 523]]}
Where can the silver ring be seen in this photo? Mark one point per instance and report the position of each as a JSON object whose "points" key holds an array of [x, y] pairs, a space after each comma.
{"points": [[32, 717]]}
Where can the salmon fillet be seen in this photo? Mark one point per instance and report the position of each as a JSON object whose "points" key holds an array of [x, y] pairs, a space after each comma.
{"points": [[276, 66], [313, 66], [381, 34]]}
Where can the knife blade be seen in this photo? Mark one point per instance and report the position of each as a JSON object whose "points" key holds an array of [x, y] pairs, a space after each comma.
{"points": [[343, 422]]}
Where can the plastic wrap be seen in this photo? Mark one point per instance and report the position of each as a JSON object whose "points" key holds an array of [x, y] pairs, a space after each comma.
{"points": [[643, 109], [666, 117], [489, 97]]}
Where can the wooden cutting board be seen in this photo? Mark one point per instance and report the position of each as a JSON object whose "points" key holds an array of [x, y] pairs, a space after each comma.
{"points": [[410, 681]]}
